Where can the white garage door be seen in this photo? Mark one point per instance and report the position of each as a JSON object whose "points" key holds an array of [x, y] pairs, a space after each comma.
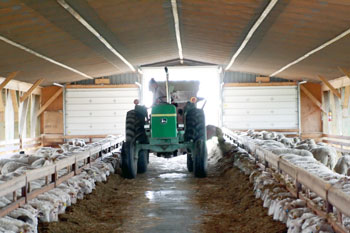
{"points": [[274, 107], [96, 111]]}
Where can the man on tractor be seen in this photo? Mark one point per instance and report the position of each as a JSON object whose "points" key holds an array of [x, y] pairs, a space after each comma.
{"points": [[158, 92]]}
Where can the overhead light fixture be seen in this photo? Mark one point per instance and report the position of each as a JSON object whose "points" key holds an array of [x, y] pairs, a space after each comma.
{"points": [[81, 20], [15, 44], [251, 32], [57, 84], [139, 70], [177, 29], [138, 84], [220, 69], [345, 33]]}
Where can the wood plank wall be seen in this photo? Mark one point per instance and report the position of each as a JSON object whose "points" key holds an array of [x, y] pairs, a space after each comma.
{"points": [[55, 106], [311, 115]]}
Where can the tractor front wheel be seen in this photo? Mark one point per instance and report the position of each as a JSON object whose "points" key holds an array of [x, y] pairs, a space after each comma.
{"points": [[200, 158], [189, 162], [142, 162], [129, 163]]}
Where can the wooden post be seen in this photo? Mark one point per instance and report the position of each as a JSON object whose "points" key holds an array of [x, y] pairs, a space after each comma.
{"points": [[23, 116], [54, 178], [298, 188], [14, 104], [24, 191], [325, 81], [20, 142], [346, 97]]}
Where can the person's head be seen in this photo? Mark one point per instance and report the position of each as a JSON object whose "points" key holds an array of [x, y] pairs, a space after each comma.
{"points": [[152, 85]]}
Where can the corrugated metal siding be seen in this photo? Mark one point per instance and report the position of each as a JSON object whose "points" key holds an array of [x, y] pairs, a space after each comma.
{"points": [[260, 107], [98, 111], [241, 77], [127, 78]]}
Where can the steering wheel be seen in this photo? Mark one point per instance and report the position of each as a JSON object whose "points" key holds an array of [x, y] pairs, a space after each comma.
{"points": [[160, 99]]}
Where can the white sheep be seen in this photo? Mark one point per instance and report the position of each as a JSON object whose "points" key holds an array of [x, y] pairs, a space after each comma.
{"points": [[326, 155], [26, 216], [303, 153], [47, 212], [343, 165], [13, 225]]}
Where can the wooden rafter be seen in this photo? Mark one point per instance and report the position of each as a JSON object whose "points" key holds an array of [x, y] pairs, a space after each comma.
{"points": [[8, 79], [47, 104], [325, 81], [31, 89], [344, 71], [312, 98]]}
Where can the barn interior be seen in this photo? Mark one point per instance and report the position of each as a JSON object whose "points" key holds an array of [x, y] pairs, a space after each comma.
{"points": [[269, 75]]}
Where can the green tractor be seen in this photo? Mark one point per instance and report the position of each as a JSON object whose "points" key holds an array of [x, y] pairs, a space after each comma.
{"points": [[161, 133]]}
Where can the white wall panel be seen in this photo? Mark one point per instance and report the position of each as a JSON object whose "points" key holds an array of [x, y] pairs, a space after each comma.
{"points": [[98, 111], [274, 107]]}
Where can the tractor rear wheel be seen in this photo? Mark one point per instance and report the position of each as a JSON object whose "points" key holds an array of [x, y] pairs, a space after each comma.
{"points": [[142, 161], [195, 125], [129, 163], [195, 131], [200, 159], [189, 162], [134, 131]]}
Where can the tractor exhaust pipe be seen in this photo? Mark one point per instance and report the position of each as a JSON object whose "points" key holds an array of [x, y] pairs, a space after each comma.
{"points": [[167, 85]]}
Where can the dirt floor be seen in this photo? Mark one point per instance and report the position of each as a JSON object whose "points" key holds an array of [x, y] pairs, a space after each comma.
{"points": [[168, 199]]}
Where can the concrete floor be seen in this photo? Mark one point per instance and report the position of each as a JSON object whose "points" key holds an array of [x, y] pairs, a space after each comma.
{"points": [[169, 194], [169, 199]]}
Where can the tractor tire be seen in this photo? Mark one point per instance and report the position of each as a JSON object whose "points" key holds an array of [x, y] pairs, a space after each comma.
{"points": [[189, 162], [142, 161], [195, 125], [200, 159], [134, 127], [129, 163], [195, 131], [134, 131]]}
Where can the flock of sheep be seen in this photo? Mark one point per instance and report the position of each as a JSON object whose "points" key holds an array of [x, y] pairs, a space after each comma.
{"points": [[47, 206], [317, 158]]}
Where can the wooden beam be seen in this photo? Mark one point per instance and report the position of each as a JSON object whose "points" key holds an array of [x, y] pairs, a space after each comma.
{"points": [[31, 89], [346, 97], [21, 86], [52, 98], [260, 84], [344, 71], [8, 79], [103, 86], [312, 98], [325, 81], [337, 83]]}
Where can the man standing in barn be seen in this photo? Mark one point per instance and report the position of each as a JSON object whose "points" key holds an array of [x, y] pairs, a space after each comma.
{"points": [[158, 92]]}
